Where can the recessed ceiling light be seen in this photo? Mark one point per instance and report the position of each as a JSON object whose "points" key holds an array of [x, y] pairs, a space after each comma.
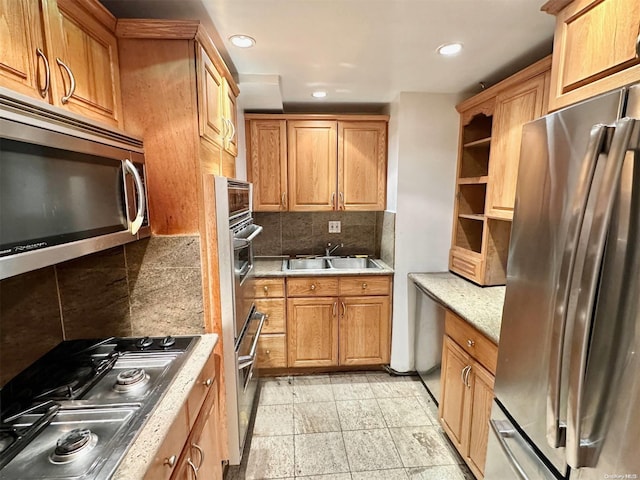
{"points": [[242, 41], [319, 94], [449, 49]]}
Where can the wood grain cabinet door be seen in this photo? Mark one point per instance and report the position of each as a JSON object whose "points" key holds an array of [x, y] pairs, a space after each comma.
{"points": [[312, 165], [267, 167], [453, 403], [481, 392], [362, 165], [210, 86], [364, 330], [312, 331], [22, 68], [85, 70], [514, 108]]}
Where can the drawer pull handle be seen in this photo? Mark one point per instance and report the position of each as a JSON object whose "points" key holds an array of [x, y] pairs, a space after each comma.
{"points": [[364, 285], [207, 382], [470, 343], [313, 286], [171, 461]]}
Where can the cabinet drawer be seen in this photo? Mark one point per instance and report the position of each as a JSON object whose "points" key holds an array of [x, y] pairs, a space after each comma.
{"points": [[274, 309], [200, 389], [165, 461], [312, 287], [471, 341], [465, 265], [377, 285], [272, 351], [269, 287]]}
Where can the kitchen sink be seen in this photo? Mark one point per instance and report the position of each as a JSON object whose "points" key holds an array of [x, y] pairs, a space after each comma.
{"points": [[330, 263]]}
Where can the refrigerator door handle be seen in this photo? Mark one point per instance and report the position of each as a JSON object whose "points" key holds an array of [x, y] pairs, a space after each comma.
{"points": [[585, 285], [556, 428]]}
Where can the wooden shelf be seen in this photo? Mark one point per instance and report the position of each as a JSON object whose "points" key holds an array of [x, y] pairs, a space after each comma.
{"points": [[473, 180], [479, 218], [483, 142]]}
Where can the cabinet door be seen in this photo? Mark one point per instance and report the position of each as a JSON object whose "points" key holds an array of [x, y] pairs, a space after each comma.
{"points": [[364, 330], [210, 99], [312, 326], [362, 165], [210, 462], [514, 108], [481, 385], [454, 392], [312, 149], [268, 164], [89, 55], [165, 463], [595, 49], [21, 68], [231, 117]]}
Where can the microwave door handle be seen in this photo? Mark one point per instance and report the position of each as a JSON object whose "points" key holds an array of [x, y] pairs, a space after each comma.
{"points": [[556, 429], [137, 222], [583, 452]]}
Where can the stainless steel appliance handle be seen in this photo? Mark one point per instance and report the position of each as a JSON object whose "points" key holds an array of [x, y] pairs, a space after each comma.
{"points": [[72, 79], [137, 222], [47, 73], [501, 434], [588, 265], [556, 429], [243, 242], [245, 361]]}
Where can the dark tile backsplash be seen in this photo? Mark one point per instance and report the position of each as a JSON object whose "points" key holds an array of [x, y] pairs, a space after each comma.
{"points": [[307, 233], [149, 287]]}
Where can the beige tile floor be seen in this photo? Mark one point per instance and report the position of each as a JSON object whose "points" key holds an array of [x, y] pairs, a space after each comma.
{"points": [[360, 426]]}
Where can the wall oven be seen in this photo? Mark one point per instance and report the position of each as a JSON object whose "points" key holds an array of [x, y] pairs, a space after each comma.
{"points": [[241, 323], [67, 187]]}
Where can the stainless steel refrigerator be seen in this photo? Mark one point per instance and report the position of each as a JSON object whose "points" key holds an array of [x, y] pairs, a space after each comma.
{"points": [[567, 389]]}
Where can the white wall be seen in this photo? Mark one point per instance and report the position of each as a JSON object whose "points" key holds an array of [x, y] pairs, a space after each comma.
{"points": [[423, 139]]}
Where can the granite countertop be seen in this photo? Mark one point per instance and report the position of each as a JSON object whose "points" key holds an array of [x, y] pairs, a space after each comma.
{"points": [[143, 450], [272, 267], [480, 306]]}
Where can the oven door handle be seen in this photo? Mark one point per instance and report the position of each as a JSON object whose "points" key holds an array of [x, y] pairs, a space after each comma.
{"points": [[243, 242], [245, 361]]}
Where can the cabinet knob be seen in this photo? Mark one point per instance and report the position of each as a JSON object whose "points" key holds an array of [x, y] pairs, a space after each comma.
{"points": [[207, 382], [470, 343], [170, 461], [313, 286], [266, 318], [364, 285], [268, 352], [266, 289]]}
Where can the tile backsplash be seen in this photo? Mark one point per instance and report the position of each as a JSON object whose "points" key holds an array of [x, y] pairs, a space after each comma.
{"points": [[150, 287], [306, 233]]}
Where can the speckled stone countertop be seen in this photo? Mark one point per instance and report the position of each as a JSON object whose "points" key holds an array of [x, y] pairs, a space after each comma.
{"points": [[144, 448], [272, 267], [480, 306]]}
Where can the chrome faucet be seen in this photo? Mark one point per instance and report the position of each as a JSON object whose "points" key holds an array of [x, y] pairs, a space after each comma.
{"points": [[329, 250]]}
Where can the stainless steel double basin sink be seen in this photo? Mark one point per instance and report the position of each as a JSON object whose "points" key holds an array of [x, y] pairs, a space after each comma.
{"points": [[330, 263]]}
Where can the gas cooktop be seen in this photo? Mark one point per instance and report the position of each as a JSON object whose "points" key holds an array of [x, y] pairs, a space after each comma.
{"points": [[75, 411]]}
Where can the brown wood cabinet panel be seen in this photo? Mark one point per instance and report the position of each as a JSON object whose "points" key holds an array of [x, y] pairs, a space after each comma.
{"points": [[272, 350], [467, 265], [454, 392], [210, 99], [362, 165], [166, 459], [269, 287], [21, 68], [364, 330], [514, 108], [363, 285], [312, 286], [472, 341], [268, 164], [228, 165], [312, 329], [204, 382], [481, 385], [312, 165], [275, 311], [595, 49]]}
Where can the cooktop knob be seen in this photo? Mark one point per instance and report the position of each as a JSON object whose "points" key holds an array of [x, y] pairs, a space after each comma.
{"points": [[144, 342], [167, 341]]}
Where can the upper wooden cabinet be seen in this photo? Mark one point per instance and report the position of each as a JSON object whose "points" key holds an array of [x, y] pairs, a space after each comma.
{"points": [[596, 48], [317, 162], [489, 154], [64, 52]]}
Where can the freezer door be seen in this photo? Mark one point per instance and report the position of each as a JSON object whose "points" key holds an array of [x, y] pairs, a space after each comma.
{"points": [[558, 158]]}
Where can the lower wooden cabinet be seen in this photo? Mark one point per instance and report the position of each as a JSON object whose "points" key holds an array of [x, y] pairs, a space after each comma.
{"points": [[272, 345], [312, 332], [364, 330], [467, 395]]}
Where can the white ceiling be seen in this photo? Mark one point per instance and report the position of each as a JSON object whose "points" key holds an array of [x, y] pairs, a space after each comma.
{"points": [[363, 51]]}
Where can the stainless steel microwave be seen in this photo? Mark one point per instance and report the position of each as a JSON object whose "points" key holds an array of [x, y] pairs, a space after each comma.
{"points": [[68, 187]]}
